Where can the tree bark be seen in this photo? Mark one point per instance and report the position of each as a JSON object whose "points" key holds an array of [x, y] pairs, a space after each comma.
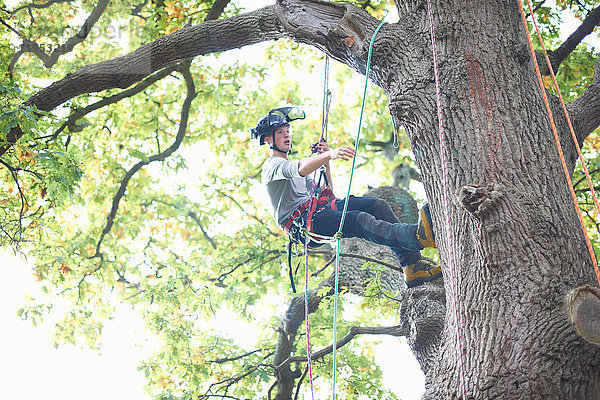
{"points": [[518, 246]]}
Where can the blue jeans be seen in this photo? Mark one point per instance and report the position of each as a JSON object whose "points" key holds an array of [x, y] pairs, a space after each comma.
{"points": [[372, 219]]}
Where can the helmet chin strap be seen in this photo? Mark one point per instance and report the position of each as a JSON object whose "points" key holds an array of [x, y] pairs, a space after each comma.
{"points": [[274, 146]]}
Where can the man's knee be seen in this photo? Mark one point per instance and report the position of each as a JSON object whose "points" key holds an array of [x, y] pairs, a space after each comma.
{"points": [[382, 210]]}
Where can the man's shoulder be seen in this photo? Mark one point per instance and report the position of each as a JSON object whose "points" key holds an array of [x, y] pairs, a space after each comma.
{"points": [[277, 168], [275, 161]]}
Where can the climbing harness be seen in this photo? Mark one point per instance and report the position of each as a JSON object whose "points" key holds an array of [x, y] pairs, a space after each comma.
{"points": [[555, 131], [452, 275]]}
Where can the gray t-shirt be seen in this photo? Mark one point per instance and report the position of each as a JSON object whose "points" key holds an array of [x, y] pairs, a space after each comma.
{"points": [[285, 187]]}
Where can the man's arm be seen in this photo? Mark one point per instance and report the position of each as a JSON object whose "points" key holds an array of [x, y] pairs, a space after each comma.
{"points": [[311, 164]]}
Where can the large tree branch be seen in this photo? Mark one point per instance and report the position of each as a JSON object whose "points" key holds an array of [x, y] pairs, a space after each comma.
{"points": [[188, 42], [585, 111], [122, 72], [341, 30], [561, 53], [185, 111]]}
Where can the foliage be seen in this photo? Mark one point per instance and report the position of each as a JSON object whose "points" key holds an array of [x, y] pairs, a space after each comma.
{"points": [[192, 246]]}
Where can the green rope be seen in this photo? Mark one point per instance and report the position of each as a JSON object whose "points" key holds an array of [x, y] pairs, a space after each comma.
{"points": [[338, 234], [395, 134]]}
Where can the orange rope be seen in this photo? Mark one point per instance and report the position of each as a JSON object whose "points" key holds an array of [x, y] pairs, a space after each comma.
{"points": [[555, 131]]}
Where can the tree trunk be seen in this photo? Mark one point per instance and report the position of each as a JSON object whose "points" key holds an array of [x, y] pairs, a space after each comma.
{"points": [[518, 246]]}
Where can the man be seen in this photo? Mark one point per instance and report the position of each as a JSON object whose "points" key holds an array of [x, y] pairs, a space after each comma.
{"points": [[290, 186]]}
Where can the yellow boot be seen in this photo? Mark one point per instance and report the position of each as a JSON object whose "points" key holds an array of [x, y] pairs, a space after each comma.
{"points": [[425, 228], [420, 272]]}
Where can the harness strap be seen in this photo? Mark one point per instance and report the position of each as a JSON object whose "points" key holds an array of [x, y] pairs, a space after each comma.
{"points": [[293, 224], [295, 216], [326, 197], [289, 251]]}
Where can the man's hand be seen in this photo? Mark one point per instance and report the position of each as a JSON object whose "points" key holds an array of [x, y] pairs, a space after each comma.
{"points": [[310, 164], [342, 153]]}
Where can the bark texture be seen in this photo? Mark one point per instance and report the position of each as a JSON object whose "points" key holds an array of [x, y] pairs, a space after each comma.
{"points": [[518, 245]]}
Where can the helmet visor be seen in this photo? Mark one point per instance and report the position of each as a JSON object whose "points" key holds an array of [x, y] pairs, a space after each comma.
{"points": [[289, 114]]}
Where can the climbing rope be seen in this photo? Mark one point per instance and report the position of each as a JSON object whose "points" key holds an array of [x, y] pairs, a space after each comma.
{"points": [[310, 235], [326, 102], [338, 234], [449, 236], [308, 351], [555, 131]]}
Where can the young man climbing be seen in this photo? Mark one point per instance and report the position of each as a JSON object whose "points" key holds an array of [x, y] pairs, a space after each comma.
{"points": [[290, 186]]}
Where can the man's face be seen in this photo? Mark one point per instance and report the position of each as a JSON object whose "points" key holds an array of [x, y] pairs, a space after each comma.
{"points": [[283, 138]]}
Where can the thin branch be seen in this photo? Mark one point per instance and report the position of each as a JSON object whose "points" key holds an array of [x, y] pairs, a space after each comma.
{"points": [[354, 330], [194, 217], [300, 382], [224, 194], [273, 386], [370, 259], [199, 223], [591, 217], [562, 52], [38, 6], [231, 381], [73, 118], [221, 277], [352, 255], [583, 178], [10, 27], [185, 111], [324, 267], [536, 7], [135, 11], [224, 360], [587, 189], [13, 62], [79, 36], [216, 10], [13, 173]]}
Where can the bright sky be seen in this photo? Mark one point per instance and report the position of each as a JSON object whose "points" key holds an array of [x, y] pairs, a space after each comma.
{"points": [[32, 369]]}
